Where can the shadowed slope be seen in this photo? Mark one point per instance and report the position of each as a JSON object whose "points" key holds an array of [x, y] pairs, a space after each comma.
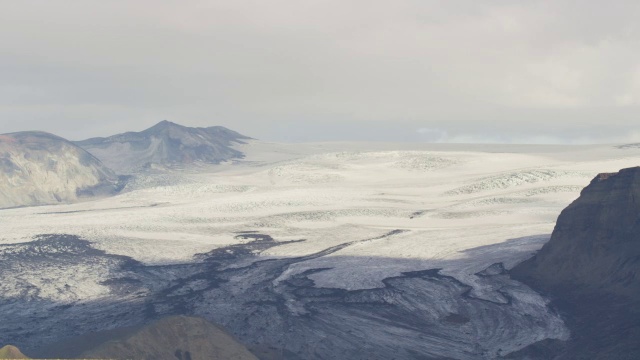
{"points": [[591, 266], [596, 242]]}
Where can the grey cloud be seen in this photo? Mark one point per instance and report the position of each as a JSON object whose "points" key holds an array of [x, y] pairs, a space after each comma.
{"points": [[546, 71]]}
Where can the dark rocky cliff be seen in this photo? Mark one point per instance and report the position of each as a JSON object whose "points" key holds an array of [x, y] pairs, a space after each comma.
{"points": [[591, 268], [595, 245]]}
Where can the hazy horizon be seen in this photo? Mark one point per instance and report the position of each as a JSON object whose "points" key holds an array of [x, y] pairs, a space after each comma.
{"points": [[563, 72]]}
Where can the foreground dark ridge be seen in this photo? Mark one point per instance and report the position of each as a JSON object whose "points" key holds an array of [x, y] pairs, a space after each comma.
{"points": [[417, 315], [591, 267], [170, 338], [165, 145]]}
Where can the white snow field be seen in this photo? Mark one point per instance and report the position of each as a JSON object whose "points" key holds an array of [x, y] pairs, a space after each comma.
{"points": [[448, 199], [368, 214]]}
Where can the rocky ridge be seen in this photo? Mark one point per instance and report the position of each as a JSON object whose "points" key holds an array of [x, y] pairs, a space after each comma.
{"points": [[595, 245], [38, 168], [591, 269], [165, 144]]}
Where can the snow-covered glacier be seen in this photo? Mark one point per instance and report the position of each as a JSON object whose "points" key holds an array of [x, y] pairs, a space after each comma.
{"points": [[324, 251]]}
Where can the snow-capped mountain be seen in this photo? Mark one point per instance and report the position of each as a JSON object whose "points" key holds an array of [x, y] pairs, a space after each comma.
{"points": [[166, 145], [38, 168]]}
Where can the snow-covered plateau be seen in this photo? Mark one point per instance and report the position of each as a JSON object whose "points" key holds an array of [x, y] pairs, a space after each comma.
{"points": [[323, 250]]}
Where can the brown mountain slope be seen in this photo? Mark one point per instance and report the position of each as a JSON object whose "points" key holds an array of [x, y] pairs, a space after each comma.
{"points": [[172, 338], [11, 352]]}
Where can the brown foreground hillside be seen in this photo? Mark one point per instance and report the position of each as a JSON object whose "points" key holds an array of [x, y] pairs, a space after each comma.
{"points": [[172, 338], [11, 352]]}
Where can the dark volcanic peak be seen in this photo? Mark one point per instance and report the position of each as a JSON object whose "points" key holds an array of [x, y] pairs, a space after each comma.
{"points": [[166, 144], [38, 168]]}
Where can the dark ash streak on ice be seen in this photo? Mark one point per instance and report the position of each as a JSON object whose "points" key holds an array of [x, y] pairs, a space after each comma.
{"points": [[419, 314]]}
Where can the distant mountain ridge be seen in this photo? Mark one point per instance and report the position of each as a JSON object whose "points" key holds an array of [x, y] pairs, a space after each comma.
{"points": [[165, 144], [38, 168]]}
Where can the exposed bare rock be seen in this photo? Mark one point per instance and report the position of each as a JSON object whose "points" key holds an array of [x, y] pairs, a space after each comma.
{"points": [[591, 267], [165, 145], [596, 242], [38, 168]]}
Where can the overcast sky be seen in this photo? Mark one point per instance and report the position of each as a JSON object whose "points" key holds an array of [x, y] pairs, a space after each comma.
{"points": [[300, 70]]}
